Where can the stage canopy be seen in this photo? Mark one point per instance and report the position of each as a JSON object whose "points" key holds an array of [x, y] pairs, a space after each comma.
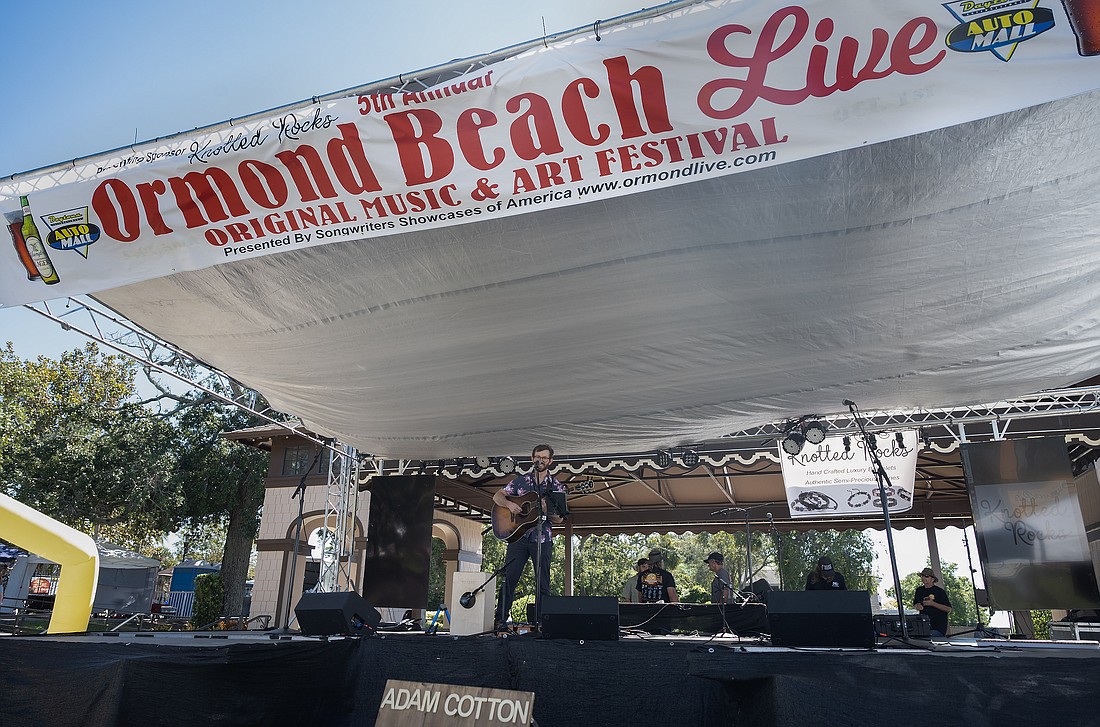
{"points": [[636, 235]]}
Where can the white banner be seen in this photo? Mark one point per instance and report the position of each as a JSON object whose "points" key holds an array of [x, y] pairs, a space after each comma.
{"points": [[833, 479], [704, 91]]}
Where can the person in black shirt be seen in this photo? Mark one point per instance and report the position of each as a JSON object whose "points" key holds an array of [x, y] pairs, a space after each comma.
{"points": [[824, 577], [932, 600], [657, 584]]}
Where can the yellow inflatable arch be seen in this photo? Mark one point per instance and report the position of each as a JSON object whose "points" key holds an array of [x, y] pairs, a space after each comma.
{"points": [[73, 550]]}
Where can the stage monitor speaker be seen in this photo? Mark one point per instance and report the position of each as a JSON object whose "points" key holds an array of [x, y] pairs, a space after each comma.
{"points": [[821, 618], [478, 617], [593, 618], [329, 614], [917, 624]]}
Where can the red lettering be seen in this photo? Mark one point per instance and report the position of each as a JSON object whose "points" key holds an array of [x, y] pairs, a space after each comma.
{"points": [[651, 92], [425, 157], [576, 116], [470, 124], [912, 39], [117, 210], [533, 132], [311, 178], [264, 183], [213, 190], [148, 192], [349, 161]]}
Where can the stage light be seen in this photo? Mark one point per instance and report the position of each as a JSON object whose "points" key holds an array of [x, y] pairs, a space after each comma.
{"points": [[847, 444], [482, 462], [663, 459], [690, 458], [814, 431], [794, 442], [506, 465]]}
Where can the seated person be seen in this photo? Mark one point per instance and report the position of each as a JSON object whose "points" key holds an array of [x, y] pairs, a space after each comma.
{"points": [[824, 577]]}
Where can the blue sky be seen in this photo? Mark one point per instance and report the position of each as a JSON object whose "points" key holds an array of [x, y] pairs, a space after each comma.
{"points": [[98, 76]]}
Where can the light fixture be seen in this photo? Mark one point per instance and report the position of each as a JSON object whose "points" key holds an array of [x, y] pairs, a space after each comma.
{"points": [[690, 458], [794, 442], [482, 462], [664, 459], [506, 465], [814, 431]]}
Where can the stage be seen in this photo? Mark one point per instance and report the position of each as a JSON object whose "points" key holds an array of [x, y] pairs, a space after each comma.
{"points": [[251, 678]]}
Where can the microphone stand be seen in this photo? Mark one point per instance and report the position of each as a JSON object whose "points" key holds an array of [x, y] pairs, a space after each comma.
{"points": [[748, 534], [300, 493], [883, 478], [469, 598], [539, 490], [778, 548]]}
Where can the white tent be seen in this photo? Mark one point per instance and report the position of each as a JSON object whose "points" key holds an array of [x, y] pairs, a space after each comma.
{"points": [[924, 235], [126, 583]]}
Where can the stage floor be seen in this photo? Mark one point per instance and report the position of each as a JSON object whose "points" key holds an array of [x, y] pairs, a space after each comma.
{"points": [[257, 678]]}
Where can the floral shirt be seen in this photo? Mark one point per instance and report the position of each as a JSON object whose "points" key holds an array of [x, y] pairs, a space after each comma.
{"points": [[523, 484]]}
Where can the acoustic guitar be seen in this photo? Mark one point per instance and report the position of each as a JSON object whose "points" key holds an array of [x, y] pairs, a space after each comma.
{"points": [[510, 528]]}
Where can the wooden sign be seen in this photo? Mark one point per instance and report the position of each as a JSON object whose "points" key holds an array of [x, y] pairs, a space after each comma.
{"points": [[418, 704]]}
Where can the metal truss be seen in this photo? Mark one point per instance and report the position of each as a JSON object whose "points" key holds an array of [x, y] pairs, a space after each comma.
{"points": [[1000, 416], [154, 354], [942, 430], [338, 534]]}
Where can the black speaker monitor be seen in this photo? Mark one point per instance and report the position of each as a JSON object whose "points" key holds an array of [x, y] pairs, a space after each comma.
{"points": [[821, 618], [595, 618], [329, 614]]}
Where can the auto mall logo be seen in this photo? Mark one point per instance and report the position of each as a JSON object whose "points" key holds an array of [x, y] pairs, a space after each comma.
{"points": [[996, 26]]}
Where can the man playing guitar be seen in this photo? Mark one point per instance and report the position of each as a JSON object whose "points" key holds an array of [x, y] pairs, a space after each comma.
{"points": [[535, 545]]}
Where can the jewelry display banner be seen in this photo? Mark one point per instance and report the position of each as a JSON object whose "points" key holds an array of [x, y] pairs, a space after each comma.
{"points": [[1030, 532], [834, 478]]}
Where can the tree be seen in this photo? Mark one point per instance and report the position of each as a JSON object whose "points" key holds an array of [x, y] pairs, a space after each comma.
{"points": [[223, 486], [77, 448], [959, 590], [851, 551]]}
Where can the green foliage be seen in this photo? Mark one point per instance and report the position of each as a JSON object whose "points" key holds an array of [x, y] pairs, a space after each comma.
{"points": [[209, 598], [693, 593], [437, 577], [76, 445], [1041, 621], [602, 564], [80, 451], [960, 591], [851, 551]]}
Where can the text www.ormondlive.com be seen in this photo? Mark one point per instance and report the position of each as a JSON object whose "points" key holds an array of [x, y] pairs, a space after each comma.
{"points": [[641, 180]]}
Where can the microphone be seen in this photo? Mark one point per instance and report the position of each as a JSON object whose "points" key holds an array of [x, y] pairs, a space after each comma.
{"points": [[848, 402], [468, 600]]}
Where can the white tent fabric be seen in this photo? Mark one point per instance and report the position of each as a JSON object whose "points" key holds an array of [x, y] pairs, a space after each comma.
{"points": [[936, 267], [955, 266]]}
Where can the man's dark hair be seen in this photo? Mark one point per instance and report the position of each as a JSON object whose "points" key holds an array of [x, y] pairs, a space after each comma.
{"points": [[541, 448]]}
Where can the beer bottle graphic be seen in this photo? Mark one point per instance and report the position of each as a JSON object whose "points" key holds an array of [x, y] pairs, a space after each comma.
{"points": [[1084, 18], [16, 230], [36, 247]]}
